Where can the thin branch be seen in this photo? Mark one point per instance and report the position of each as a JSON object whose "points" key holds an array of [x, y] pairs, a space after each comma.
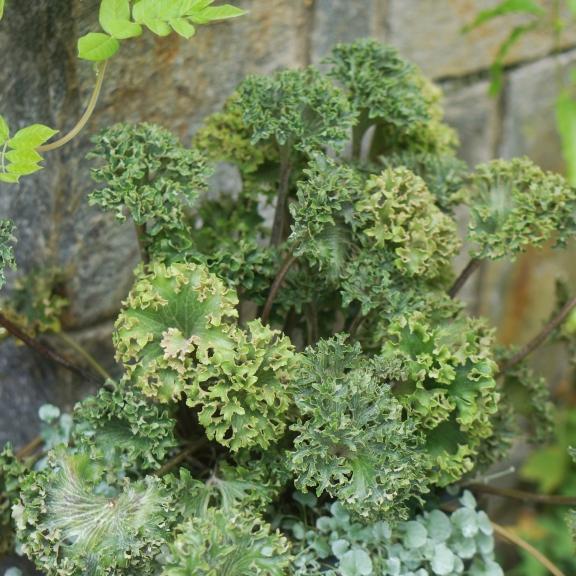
{"points": [[509, 536], [280, 216], [538, 340], [471, 267], [43, 349], [355, 325], [86, 355], [100, 72], [276, 285], [30, 448], [522, 495], [180, 457]]}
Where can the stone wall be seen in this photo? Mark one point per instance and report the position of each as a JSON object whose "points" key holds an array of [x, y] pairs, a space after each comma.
{"points": [[176, 83]]}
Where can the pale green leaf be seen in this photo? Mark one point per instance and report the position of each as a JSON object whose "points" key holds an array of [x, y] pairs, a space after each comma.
{"points": [[506, 7], [183, 27], [31, 137], [443, 560], [23, 169], [159, 27], [4, 129], [2, 2], [212, 13], [566, 123], [571, 6], [356, 563], [10, 178], [24, 156], [97, 47], [115, 19]]}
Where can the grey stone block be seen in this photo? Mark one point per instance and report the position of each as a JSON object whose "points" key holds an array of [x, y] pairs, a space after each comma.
{"points": [[474, 115], [429, 32]]}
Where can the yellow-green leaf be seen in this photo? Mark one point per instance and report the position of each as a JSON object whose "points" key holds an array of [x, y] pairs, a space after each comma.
{"points": [[10, 178], [115, 19], [566, 123], [31, 137], [1, 9], [212, 13], [24, 156], [4, 130], [23, 168], [97, 47], [183, 27]]}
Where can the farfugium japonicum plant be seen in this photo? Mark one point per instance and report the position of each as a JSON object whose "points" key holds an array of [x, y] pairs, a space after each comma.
{"points": [[301, 393]]}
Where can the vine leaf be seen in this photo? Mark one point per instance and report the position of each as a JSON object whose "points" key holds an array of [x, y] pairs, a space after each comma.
{"points": [[506, 7], [164, 17], [18, 155], [566, 123], [97, 46], [115, 19]]}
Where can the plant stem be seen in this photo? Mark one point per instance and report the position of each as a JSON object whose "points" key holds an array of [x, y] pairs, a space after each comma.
{"points": [[509, 536], [43, 349], [280, 216], [276, 285], [30, 448], [100, 72], [522, 495], [471, 267], [355, 325], [141, 235], [358, 133], [538, 340], [180, 457], [86, 355]]}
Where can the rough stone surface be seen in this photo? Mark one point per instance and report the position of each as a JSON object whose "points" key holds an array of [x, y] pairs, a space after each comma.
{"points": [[529, 100], [474, 114], [430, 33], [337, 21]]}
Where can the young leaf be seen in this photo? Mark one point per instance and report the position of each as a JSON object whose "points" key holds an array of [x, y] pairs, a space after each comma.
{"points": [[183, 27], [216, 13], [97, 47], [497, 69], [1, 8], [506, 7], [24, 156], [4, 130], [31, 137], [566, 123], [115, 19]]}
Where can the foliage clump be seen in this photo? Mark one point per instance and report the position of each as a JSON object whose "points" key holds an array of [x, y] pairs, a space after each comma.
{"points": [[515, 204], [432, 543], [6, 250], [297, 329], [352, 440]]}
